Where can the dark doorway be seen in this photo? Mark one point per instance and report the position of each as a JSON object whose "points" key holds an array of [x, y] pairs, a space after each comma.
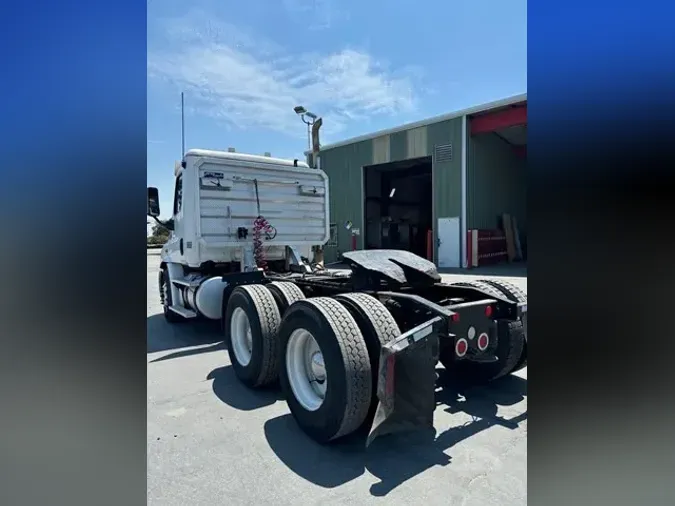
{"points": [[398, 205]]}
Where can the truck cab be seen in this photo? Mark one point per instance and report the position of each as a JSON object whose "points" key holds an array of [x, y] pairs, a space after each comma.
{"points": [[219, 196]]}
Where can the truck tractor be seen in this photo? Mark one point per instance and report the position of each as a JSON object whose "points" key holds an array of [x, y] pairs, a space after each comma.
{"points": [[355, 347]]}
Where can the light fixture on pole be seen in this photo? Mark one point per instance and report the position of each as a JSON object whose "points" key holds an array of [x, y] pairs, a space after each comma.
{"points": [[302, 112]]}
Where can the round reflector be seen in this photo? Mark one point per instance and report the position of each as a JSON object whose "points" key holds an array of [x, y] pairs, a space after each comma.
{"points": [[483, 341], [461, 347]]}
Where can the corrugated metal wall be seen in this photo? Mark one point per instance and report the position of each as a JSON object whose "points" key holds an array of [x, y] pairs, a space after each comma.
{"points": [[398, 146], [497, 183], [343, 165], [417, 143], [381, 149], [447, 175]]}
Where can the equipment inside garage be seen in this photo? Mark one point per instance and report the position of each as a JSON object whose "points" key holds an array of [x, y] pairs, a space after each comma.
{"points": [[398, 206], [497, 184]]}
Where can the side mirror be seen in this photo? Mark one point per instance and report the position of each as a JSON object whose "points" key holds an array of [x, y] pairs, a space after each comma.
{"points": [[153, 202]]}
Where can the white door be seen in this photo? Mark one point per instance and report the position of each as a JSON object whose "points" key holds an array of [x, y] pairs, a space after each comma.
{"points": [[448, 242]]}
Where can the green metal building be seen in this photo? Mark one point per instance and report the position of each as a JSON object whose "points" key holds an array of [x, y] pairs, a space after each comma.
{"points": [[478, 171]]}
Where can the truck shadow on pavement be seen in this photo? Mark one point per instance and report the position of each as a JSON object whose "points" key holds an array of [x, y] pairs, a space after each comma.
{"points": [[163, 336], [394, 459], [228, 388]]}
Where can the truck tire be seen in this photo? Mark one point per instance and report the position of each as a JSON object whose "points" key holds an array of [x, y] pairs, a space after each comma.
{"points": [[514, 293], [252, 322], [166, 298], [325, 373], [285, 294], [510, 342], [377, 326]]}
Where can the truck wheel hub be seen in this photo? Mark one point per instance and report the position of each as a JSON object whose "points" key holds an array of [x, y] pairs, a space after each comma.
{"points": [[241, 336], [306, 369], [318, 367]]}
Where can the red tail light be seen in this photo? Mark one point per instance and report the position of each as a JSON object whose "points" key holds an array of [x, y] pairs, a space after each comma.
{"points": [[488, 311], [483, 341], [461, 347], [455, 317]]}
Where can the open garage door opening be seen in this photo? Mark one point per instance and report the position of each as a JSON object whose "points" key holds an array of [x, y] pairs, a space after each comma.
{"points": [[398, 206], [497, 188]]}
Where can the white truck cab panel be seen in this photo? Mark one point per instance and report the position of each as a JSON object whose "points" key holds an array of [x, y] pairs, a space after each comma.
{"points": [[218, 195]]}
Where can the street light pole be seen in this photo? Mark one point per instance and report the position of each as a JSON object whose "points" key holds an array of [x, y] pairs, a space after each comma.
{"points": [[309, 135], [302, 112], [309, 127]]}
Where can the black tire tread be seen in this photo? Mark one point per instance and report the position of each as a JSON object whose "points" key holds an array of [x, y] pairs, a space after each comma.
{"points": [[356, 360], [516, 294], [482, 286], [380, 325], [169, 316], [382, 320], [270, 320], [512, 291], [515, 330], [288, 293]]}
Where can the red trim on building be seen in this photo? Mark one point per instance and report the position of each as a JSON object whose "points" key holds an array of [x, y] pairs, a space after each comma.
{"points": [[499, 120]]}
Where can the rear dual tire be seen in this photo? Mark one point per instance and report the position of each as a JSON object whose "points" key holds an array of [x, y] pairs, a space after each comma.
{"points": [[252, 320], [509, 348], [377, 326], [347, 379], [349, 331], [284, 294], [515, 294], [325, 352]]}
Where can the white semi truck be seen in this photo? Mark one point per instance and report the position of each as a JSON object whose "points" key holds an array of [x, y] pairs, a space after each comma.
{"points": [[349, 347]]}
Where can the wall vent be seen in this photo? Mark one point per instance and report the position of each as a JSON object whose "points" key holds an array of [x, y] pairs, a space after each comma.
{"points": [[443, 153]]}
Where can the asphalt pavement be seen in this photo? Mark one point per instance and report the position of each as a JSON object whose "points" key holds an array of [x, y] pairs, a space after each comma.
{"points": [[211, 441]]}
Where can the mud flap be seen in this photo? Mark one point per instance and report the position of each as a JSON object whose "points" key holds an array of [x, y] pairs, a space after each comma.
{"points": [[406, 384]]}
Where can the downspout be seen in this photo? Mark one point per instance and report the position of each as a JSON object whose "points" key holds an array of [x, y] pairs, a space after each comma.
{"points": [[462, 220]]}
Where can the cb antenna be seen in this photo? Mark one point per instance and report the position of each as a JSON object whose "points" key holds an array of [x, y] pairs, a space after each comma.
{"points": [[182, 124]]}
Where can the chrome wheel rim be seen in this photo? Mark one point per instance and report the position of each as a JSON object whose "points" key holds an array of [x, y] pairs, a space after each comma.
{"points": [[306, 369], [241, 336]]}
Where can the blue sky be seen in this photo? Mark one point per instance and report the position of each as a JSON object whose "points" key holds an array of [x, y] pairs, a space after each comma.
{"points": [[363, 66]]}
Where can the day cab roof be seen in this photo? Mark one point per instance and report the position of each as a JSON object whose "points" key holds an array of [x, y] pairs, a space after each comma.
{"points": [[241, 157]]}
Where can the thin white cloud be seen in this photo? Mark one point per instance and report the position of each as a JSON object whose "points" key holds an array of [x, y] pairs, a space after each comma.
{"points": [[249, 82], [315, 14]]}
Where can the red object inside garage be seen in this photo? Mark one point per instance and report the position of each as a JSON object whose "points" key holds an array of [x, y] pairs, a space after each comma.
{"points": [[497, 233]]}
